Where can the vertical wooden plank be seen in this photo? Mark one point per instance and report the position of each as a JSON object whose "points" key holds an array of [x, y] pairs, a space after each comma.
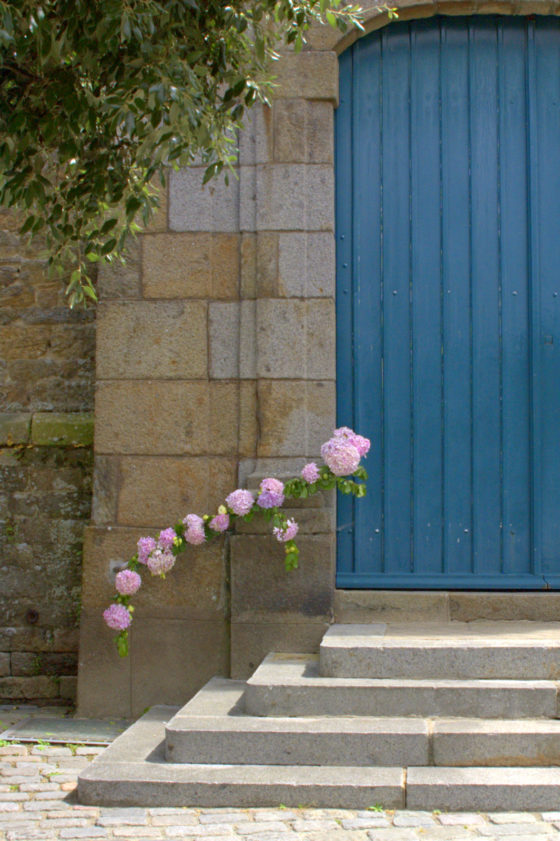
{"points": [[545, 91], [344, 302], [426, 297], [486, 362], [396, 281], [514, 257], [367, 294], [456, 298]]}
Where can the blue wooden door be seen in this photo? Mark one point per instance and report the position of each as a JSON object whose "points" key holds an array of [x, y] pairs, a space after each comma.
{"points": [[448, 303]]}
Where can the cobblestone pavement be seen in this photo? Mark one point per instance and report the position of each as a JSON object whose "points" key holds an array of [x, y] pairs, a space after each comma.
{"points": [[38, 801]]}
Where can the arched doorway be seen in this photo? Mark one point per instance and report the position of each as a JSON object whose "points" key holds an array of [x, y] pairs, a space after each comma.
{"points": [[448, 302]]}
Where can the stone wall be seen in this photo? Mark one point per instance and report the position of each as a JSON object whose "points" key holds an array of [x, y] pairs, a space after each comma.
{"points": [[46, 433]]}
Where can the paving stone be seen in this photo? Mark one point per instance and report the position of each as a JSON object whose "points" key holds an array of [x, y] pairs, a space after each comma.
{"points": [[446, 833], [84, 832], [7, 751], [392, 834], [369, 822], [550, 816], [13, 796], [9, 807], [124, 817], [312, 825], [272, 826], [461, 818], [174, 819], [141, 832], [514, 817], [201, 831], [221, 817], [413, 819], [60, 823], [511, 829], [272, 815]]}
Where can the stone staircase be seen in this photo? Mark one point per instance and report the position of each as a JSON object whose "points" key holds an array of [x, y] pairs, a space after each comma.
{"points": [[455, 716]]}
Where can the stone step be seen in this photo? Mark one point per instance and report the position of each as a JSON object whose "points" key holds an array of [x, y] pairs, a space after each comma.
{"points": [[494, 742], [290, 685], [452, 650], [478, 789], [133, 772], [229, 738]]}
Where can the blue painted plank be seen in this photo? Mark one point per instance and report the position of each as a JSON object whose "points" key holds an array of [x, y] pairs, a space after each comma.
{"points": [[447, 582], [344, 300], [367, 293], [456, 299], [546, 285], [485, 300], [514, 259], [396, 285], [426, 297]]}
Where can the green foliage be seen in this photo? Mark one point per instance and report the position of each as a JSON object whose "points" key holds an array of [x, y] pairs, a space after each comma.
{"points": [[99, 99]]}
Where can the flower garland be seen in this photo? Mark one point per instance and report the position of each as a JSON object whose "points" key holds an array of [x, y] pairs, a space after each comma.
{"points": [[342, 455]]}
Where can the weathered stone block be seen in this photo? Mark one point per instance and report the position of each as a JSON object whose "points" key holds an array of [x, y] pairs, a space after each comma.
{"points": [[121, 280], [171, 659], [297, 197], [200, 417], [296, 339], [192, 207], [262, 590], [248, 430], [145, 340], [68, 688], [24, 341], [28, 688], [536, 607], [255, 142], [259, 265], [14, 428], [4, 664], [194, 589], [232, 340], [308, 75], [310, 521], [295, 416], [62, 429], [306, 265], [303, 131], [157, 491], [252, 641], [365, 606], [30, 664], [106, 479], [103, 676], [191, 265]]}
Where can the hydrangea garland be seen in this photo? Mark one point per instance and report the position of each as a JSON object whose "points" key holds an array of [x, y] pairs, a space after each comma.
{"points": [[342, 454]]}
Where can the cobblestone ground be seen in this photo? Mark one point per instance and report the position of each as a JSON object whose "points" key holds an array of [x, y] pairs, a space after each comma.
{"points": [[38, 801]]}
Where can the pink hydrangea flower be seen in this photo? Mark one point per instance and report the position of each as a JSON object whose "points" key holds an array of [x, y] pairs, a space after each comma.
{"points": [[283, 535], [272, 493], [161, 561], [127, 582], [340, 456], [146, 546], [240, 502], [193, 521], [220, 522], [166, 538], [195, 535], [310, 473], [362, 444], [117, 617]]}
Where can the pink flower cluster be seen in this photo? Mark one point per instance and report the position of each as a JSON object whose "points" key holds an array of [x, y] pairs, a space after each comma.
{"points": [[127, 582], [283, 535], [310, 473], [117, 617], [240, 502], [342, 453], [194, 532], [271, 493]]}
